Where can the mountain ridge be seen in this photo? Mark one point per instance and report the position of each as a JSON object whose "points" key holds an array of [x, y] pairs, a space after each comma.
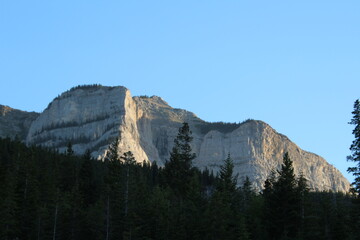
{"points": [[15, 123], [91, 117]]}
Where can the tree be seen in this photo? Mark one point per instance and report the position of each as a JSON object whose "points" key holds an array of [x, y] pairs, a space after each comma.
{"points": [[178, 168], [8, 222], [225, 221], [128, 160], [227, 180], [113, 199], [112, 153], [69, 149], [283, 202], [355, 147], [355, 157]]}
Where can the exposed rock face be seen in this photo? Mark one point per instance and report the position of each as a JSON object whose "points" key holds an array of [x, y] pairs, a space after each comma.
{"points": [[255, 147], [15, 123], [92, 117]]}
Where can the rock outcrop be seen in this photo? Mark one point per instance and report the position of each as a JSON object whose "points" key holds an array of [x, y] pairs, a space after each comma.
{"points": [[15, 123], [91, 117], [255, 147]]}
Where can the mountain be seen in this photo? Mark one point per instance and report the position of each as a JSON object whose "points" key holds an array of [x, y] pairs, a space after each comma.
{"points": [[91, 117], [15, 123]]}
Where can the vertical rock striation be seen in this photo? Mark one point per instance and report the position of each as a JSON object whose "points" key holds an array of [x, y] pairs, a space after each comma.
{"points": [[90, 117]]}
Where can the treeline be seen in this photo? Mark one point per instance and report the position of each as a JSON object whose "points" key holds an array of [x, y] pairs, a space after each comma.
{"points": [[47, 195], [223, 127], [84, 87]]}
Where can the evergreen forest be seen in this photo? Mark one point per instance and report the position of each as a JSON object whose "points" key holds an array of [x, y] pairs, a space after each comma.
{"points": [[60, 196]]}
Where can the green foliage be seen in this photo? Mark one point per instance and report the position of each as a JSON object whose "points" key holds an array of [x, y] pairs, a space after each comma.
{"points": [[227, 183], [223, 127], [355, 147], [47, 195], [128, 158], [225, 216], [283, 201], [144, 96], [178, 169], [86, 86]]}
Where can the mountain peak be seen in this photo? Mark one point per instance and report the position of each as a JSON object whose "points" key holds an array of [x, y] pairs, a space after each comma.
{"points": [[92, 116], [15, 123], [5, 109]]}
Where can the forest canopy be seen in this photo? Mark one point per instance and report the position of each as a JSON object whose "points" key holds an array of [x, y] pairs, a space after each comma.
{"points": [[49, 195]]}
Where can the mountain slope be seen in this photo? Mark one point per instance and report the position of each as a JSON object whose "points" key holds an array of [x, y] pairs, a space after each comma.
{"points": [[92, 116], [15, 123]]}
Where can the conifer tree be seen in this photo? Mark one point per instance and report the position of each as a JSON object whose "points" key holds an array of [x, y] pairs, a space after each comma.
{"points": [[225, 220], [114, 196], [282, 203], [8, 221], [69, 149], [355, 147], [128, 160], [178, 168], [87, 185], [112, 154], [227, 180]]}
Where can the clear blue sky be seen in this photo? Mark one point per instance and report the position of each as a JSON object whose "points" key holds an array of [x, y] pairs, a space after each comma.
{"points": [[292, 64]]}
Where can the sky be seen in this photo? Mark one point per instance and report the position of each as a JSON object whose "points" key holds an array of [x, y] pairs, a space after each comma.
{"points": [[293, 64]]}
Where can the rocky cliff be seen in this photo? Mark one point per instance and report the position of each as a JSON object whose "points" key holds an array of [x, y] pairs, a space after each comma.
{"points": [[15, 123], [91, 117], [255, 147]]}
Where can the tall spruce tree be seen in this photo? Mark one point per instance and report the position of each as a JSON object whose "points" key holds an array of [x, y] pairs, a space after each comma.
{"points": [[224, 219], [282, 201], [178, 173], [227, 180], [114, 199], [178, 168], [355, 146], [128, 160], [355, 157]]}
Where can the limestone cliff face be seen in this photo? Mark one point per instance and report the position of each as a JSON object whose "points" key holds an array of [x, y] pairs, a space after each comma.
{"points": [[255, 147], [14, 122], [92, 117]]}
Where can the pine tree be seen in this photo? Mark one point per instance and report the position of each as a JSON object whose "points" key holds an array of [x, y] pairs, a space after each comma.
{"points": [[302, 191], [355, 157], [69, 149], [87, 185], [112, 154], [178, 168], [8, 221], [194, 208], [282, 201], [113, 199], [225, 221], [227, 180], [355, 147], [128, 160]]}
